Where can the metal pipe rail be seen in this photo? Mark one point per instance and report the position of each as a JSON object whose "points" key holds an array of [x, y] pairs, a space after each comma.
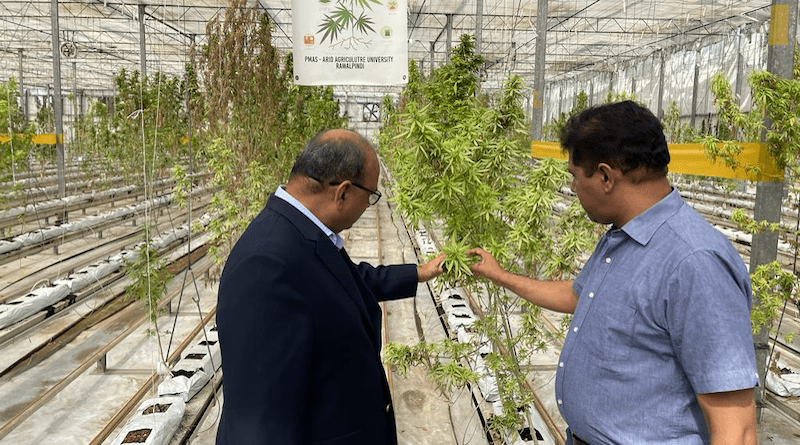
{"points": [[132, 315], [56, 241]]}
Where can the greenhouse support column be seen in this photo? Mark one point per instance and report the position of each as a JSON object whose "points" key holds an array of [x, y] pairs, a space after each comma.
{"points": [[478, 26], [432, 50], [739, 68], [57, 105], [780, 60], [537, 102], [23, 98], [190, 136], [75, 98], [611, 83], [449, 28], [142, 47], [695, 86], [660, 107]]}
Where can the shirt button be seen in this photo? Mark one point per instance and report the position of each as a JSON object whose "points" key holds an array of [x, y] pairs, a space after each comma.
{"points": [[591, 294], [574, 329], [561, 365], [608, 260], [560, 402], [388, 407]]}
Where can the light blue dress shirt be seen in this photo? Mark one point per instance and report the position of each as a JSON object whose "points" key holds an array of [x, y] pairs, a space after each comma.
{"points": [[663, 313], [334, 237]]}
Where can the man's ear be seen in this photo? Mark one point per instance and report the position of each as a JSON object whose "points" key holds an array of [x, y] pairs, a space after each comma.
{"points": [[610, 176], [341, 192]]}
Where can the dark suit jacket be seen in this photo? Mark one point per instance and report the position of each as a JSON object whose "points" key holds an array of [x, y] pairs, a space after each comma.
{"points": [[299, 329]]}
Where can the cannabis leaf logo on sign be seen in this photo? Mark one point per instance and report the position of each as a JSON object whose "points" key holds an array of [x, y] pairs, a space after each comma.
{"points": [[343, 18]]}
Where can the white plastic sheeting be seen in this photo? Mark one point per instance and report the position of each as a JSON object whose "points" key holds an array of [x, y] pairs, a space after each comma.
{"points": [[49, 233], [736, 56], [55, 205], [31, 303]]}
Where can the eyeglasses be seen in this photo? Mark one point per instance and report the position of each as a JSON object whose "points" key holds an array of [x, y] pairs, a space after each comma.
{"points": [[374, 195]]}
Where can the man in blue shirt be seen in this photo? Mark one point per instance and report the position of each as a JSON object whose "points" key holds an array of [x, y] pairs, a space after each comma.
{"points": [[660, 349]]}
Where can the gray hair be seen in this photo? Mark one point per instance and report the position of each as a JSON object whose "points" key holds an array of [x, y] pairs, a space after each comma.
{"points": [[329, 159]]}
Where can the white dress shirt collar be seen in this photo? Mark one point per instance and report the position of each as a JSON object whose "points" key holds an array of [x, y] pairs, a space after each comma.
{"points": [[334, 237]]}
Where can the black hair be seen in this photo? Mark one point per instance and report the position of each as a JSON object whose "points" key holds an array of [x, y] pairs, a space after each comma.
{"points": [[329, 159], [624, 135]]}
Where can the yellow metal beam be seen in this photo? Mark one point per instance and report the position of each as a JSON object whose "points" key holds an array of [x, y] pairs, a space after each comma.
{"points": [[44, 139], [691, 159]]}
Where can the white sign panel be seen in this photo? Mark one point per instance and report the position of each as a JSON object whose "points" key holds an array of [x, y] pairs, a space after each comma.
{"points": [[350, 42]]}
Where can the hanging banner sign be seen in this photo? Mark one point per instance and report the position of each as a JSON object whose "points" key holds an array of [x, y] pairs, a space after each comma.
{"points": [[350, 42]]}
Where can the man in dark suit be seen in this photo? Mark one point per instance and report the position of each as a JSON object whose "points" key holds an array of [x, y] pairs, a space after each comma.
{"points": [[299, 323]]}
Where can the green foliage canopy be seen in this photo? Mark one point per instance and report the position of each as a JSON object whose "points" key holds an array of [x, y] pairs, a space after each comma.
{"points": [[461, 161]]}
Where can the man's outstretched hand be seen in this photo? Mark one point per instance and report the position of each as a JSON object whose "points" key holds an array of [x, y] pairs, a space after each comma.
{"points": [[431, 269]]}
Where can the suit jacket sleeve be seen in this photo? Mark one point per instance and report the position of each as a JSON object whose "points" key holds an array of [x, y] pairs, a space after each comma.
{"points": [[390, 282]]}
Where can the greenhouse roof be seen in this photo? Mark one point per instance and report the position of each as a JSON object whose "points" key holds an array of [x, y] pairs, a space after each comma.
{"points": [[100, 37]]}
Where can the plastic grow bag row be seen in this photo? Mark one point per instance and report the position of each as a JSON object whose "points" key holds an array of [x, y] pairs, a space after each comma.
{"points": [[29, 304], [535, 430], [48, 233], [425, 243], [154, 422], [194, 369], [785, 382], [59, 203]]}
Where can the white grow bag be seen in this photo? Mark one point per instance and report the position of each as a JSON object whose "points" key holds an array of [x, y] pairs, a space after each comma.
{"points": [[158, 427], [785, 385], [487, 383], [31, 303], [193, 371]]}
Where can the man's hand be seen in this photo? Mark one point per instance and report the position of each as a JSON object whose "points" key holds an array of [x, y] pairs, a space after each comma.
{"points": [[487, 266], [554, 295], [431, 269]]}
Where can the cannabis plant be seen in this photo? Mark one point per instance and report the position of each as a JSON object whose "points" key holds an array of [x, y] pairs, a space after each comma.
{"points": [[148, 125], [552, 131], [14, 152], [778, 100], [149, 278], [256, 120], [461, 162]]}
